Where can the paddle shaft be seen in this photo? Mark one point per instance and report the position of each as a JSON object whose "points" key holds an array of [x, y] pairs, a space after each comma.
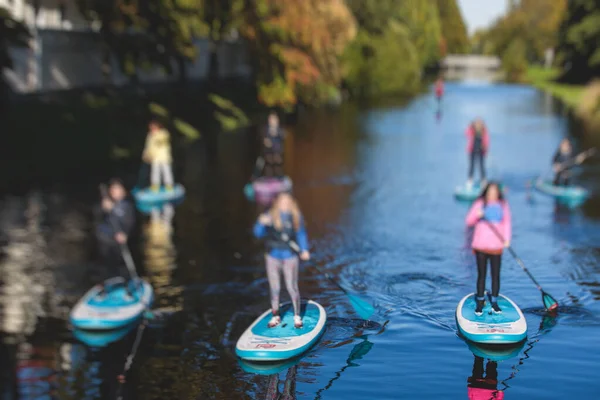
{"points": [[513, 253], [124, 249], [258, 167], [586, 154]]}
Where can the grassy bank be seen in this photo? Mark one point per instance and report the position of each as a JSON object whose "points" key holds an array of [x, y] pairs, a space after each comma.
{"points": [[544, 79]]}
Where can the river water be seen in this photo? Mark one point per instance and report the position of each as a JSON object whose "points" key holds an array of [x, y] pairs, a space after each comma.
{"points": [[376, 186]]}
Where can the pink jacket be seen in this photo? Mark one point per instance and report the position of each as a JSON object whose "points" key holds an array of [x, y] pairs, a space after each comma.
{"points": [[470, 133], [484, 394], [484, 238]]}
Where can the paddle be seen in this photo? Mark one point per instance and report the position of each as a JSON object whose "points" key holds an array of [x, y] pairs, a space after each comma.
{"points": [[364, 309], [121, 378], [580, 158], [550, 303], [258, 167], [143, 172], [124, 249]]}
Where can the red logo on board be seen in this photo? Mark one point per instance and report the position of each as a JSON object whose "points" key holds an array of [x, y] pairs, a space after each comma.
{"points": [[265, 346]]}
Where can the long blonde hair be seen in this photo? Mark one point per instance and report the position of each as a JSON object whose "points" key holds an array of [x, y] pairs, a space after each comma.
{"points": [[276, 215]]}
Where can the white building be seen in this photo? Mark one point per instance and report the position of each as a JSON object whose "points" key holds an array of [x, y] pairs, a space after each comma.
{"points": [[65, 52], [47, 14]]}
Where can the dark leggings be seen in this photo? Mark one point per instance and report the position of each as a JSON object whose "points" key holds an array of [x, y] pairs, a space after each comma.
{"points": [[476, 156], [495, 261], [562, 178]]}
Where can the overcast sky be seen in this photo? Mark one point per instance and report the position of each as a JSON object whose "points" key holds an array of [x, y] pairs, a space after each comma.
{"points": [[481, 13]]}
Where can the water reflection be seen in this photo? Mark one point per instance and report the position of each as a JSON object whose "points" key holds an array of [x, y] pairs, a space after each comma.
{"points": [[160, 257], [483, 382]]}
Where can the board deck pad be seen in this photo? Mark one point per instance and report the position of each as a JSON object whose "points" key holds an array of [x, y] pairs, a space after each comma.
{"points": [[283, 342], [507, 327], [310, 318]]}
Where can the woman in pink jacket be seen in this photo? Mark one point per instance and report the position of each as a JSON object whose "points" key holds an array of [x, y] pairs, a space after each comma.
{"points": [[478, 143], [489, 209]]}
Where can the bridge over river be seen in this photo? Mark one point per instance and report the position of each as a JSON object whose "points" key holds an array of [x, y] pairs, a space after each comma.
{"points": [[465, 66]]}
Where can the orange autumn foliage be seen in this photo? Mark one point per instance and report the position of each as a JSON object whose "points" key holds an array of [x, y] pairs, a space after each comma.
{"points": [[299, 43]]}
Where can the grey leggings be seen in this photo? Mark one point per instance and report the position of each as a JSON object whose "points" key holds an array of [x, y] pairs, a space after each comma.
{"points": [[289, 267]]}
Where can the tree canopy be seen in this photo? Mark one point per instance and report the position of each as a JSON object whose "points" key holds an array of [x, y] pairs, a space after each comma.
{"points": [[454, 32], [530, 26], [579, 47]]}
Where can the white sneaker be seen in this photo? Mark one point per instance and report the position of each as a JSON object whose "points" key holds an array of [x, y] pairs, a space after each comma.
{"points": [[469, 184], [298, 321]]}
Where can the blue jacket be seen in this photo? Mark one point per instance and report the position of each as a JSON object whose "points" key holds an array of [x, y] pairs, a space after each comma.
{"points": [[276, 247]]}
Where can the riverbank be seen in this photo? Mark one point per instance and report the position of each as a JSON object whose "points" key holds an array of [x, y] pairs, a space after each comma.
{"points": [[545, 79], [582, 102]]}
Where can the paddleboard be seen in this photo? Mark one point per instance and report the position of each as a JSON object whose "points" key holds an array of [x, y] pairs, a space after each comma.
{"points": [[267, 368], [113, 310], [564, 194], [507, 327], [496, 352], [265, 189], [261, 343], [99, 339], [468, 192], [147, 196]]}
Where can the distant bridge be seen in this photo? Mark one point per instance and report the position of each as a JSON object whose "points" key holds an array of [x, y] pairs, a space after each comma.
{"points": [[469, 61], [465, 66]]}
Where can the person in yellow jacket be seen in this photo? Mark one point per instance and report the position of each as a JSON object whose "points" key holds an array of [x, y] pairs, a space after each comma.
{"points": [[158, 154]]}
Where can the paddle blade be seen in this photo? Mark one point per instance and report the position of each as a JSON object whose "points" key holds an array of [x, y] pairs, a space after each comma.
{"points": [[364, 309], [249, 191], [549, 302]]}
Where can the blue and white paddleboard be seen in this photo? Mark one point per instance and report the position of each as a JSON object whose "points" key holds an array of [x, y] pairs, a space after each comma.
{"points": [[569, 195], [113, 310], [99, 339], [468, 192], [261, 343], [149, 197], [507, 327]]}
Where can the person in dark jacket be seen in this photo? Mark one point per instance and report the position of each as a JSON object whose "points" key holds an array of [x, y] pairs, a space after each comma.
{"points": [[273, 141], [563, 160], [117, 220]]}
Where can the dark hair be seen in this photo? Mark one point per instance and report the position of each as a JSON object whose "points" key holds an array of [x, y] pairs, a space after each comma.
{"points": [[115, 181], [487, 187]]}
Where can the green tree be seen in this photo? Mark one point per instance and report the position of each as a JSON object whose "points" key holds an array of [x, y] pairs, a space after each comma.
{"points": [[396, 40], [579, 48], [12, 34], [454, 31], [514, 60], [150, 32], [535, 22]]}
